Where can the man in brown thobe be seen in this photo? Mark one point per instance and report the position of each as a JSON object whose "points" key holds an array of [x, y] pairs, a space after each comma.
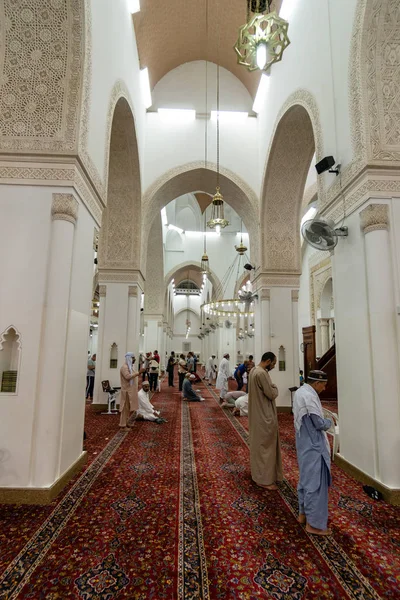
{"points": [[129, 389], [265, 450]]}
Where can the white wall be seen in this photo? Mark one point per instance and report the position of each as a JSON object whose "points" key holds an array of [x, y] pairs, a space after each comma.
{"points": [[307, 64], [173, 143], [115, 57]]}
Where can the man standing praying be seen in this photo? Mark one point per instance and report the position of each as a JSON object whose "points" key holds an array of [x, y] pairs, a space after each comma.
{"points": [[313, 454], [265, 450], [222, 377], [129, 392]]}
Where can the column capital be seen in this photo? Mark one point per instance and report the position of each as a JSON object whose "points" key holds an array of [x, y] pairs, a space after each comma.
{"points": [[269, 279], [64, 208], [102, 291], [374, 217], [133, 291], [295, 295]]}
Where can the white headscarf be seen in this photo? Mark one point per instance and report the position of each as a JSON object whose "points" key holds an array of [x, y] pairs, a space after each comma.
{"points": [[128, 359], [306, 402]]}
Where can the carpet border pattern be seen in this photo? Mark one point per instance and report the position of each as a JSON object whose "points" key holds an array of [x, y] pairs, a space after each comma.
{"points": [[17, 574], [192, 561]]}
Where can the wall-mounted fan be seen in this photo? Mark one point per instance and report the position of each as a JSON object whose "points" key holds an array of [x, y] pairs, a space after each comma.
{"points": [[322, 234], [228, 324]]}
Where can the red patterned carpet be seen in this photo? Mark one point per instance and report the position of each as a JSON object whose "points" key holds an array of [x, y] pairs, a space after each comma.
{"points": [[169, 511]]}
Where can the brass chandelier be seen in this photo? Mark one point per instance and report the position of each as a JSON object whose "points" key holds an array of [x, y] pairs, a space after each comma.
{"points": [[263, 38]]}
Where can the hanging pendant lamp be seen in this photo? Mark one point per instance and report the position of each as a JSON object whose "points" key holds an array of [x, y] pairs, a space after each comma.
{"points": [[263, 38]]}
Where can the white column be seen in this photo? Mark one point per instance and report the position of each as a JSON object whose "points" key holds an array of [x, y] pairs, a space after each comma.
{"points": [[98, 390], [295, 321], [324, 328], [50, 394], [134, 297], [262, 339], [384, 349]]}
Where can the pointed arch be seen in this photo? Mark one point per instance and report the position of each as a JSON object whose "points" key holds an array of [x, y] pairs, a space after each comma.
{"points": [[297, 135]]}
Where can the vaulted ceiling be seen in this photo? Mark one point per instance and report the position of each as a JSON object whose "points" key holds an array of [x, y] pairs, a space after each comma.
{"points": [[170, 33]]}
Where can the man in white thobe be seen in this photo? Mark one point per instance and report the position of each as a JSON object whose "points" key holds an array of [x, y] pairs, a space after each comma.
{"points": [[224, 373], [146, 410], [210, 368]]}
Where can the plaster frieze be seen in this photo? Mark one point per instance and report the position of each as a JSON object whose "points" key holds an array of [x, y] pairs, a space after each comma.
{"points": [[268, 280], [102, 291], [374, 217], [372, 183], [116, 276], [64, 207], [52, 174]]}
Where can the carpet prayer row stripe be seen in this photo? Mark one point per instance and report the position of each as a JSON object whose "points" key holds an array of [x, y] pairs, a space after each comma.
{"points": [[193, 578], [352, 580], [20, 569]]}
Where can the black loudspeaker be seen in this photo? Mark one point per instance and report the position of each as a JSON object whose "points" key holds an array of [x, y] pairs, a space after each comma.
{"points": [[325, 164]]}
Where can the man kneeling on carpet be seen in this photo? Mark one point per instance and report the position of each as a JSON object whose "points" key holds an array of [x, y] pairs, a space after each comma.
{"points": [[313, 454], [146, 411], [129, 390], [239, 401], [187, 390]]}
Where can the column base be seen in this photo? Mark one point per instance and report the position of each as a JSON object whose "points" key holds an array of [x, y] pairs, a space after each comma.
{"points": [[42, 496], [390, 495]]}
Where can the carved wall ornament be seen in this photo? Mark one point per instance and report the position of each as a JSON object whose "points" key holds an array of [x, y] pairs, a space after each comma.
{"points": [[295, 295], [42, 49], [319, 275], [268, 280], [64, 207], [133, 277], [102, 291], [53, 175], [374, 217], [264, 295]]}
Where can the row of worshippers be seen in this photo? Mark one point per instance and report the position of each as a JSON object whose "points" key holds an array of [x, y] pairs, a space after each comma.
{"points": [[151, 368], [312, 445], [132, 400]]}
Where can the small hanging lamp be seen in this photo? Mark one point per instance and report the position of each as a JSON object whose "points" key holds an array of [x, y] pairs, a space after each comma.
{"points": [[205, 268]]}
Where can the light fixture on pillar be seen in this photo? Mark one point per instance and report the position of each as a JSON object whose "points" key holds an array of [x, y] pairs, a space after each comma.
{"points": [[263, 38], [217, 220]]}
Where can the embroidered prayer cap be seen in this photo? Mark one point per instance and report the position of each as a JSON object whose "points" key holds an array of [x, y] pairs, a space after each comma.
{"points": [[317, 376]]}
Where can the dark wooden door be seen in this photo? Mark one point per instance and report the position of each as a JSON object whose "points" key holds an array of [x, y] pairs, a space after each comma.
{"points": [[309, 349]]}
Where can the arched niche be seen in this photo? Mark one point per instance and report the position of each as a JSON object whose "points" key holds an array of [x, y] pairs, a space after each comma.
{"points": [[326, 300], [187, 219], [113, 356], [120, 234], [292, 148], [173, 241], [193, 177], [10, 359], [282, 358], [193, 270]]}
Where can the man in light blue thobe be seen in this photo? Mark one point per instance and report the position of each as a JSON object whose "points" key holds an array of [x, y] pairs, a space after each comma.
{"points": [[313, 454]]}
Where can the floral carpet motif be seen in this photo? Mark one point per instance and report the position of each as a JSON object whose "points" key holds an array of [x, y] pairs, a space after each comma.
{"points": [[170, 512], [103, 582]]}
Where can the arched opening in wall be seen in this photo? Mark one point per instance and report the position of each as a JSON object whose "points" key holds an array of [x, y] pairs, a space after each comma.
{"points": [[288, 165], [114, 356], [327, 317], [173, 241], [10, 357], [196, 180], [120, 234]]}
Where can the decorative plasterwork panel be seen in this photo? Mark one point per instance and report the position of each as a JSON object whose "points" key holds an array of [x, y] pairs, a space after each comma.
{"points": [[154, 292], [120, 236], [382, 76], [41, 60], [132, 277], [297, 134], [268, 280]]}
